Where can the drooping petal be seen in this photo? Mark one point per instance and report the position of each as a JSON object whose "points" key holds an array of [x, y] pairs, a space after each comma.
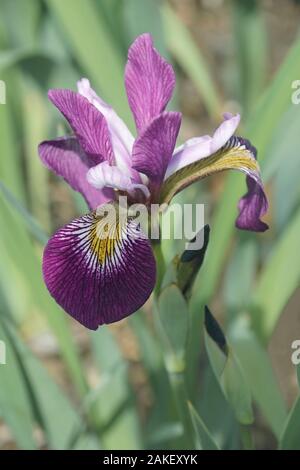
{"points": [[149, 81], [121, 137], [104, 175], [99, 278], [201, 147], [65, 157], [252, 207], [87, 122], [236, 154], [153, 149]]}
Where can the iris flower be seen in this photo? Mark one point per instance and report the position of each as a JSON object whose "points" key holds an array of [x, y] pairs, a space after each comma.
{"points": [[100, 280]]}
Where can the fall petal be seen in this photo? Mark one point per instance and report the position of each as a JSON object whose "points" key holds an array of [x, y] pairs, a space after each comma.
{"points": [[201, 147], [99, 279], [65, 157], [236, 154]]}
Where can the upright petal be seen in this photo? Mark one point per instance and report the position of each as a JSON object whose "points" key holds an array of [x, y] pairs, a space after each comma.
{"points": [[236, 154], [149, 81], [201, 147], [121, 137], [153, 149], [87, 122], [65, 157], [99, 279]]}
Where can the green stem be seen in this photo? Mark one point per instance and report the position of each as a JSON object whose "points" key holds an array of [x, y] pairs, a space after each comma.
{"points": [[246, 438], [177, 380], [160, 265]]}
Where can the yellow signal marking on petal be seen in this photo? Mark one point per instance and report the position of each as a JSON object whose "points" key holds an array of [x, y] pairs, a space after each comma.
{"points": [[104, 237], [228, 159]]}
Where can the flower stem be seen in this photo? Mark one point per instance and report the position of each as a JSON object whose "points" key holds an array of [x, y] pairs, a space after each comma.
{"points": [[246, 437], [177, 380], [160, 265]]}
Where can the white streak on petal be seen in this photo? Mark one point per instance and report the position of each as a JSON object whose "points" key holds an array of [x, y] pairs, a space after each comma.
{"points": [[104, 175], [201, 147], [121, 137]]}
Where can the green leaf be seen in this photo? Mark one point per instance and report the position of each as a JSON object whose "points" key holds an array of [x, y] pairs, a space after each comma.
{"points": [[260, 129], [15, 402], [35, 129], [228, 371], [282, 270], [204, 440], [259, 372], [290, 436], [191, 261], [92, 45], [173, 316], [28, 219], [250, 42], [114, 407], [189, 57], [57, 416], [25, 265], [141, 16]]}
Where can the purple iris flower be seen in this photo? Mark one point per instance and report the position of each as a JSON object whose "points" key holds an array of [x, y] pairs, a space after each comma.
{"points": [[99, 280]]}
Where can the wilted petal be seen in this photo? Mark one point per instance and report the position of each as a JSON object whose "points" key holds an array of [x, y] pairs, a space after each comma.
{"points": [[252, 207], [201, 147], [104, 175], [153, 149], [121, 137], [96, 279], [236, 154], [87, 122], [149, 81], [66, 158]]}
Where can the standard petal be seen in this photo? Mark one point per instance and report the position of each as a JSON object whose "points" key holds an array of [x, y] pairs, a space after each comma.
{"points": [[236, 154], [153, 149], [66, 158], [149, 81], [201, 147], [87, 122], [121, 137], [99, 279], [104, 175]]}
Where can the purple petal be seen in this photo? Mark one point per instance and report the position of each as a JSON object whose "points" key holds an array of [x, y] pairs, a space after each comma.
{"points": [[201, 147], [121, 137], [87, 122], [252, 207], [98, 280], [65, 157], [104, 175], [149, 81], [153, 149]]}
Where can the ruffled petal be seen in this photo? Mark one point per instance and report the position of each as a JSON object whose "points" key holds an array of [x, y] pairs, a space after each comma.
{"points": [[153, 149], [87, 122], [121, 137], [236, 154], [99, 278], [65, 157], [104, 175], [201, 147], [149, 81]]}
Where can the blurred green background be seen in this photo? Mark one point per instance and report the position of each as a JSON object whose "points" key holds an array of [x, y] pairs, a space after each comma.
{"points": [[66, 388]]}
